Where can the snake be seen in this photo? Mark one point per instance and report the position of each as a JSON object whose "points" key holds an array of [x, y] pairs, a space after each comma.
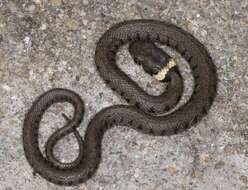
{"points": [[145, 113]]}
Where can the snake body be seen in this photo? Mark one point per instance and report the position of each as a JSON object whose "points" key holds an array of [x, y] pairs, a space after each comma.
{"points": [[142, 112]]}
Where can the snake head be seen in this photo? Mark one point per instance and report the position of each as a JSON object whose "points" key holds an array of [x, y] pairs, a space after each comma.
{"points": [[153, 59]]}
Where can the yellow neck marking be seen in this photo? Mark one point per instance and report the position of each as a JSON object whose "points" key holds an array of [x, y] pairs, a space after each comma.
{"points": [[163, 72]]}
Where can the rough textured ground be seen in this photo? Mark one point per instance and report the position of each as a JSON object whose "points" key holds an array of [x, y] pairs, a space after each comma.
{"points": [[51, 43]]}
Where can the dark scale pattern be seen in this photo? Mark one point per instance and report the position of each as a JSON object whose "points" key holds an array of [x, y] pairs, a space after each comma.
{"points": [[137, 115]]}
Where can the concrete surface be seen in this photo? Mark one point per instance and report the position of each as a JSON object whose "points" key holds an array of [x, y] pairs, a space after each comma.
{"points": [[51, 43]]}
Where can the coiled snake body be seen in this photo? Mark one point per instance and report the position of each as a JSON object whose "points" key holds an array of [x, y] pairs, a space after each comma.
{"points": [[141, 114]]}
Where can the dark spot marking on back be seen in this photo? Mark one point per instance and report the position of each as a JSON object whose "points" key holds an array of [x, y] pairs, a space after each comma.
{"points": [[166, 108], [184, 52], [168, 41], [204, 111], [138, 36], [89, 175], [186, 125], [122, 41], [158, 38], [129, 38], [189, 59], [116, 46], [121, 119], [113, 122], [137, 105], [58, 182], [130, 122], [127, 99], [197, 77], [151, 131], [176, 47], [194, 120], [151, 110], [148, 37], [194, 67], [140, 127], [178, 98], [196, 85], [210, 100], [70, 183], [163, 132]]}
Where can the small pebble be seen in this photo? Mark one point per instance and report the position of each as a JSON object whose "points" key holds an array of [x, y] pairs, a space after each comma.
{"points": [[31, 8], [8, 188], [43, 26], [219, 165], [172, 170], [85, 22], [136, 173], [27, 40], [55, 2], [83, 187], [37, 1], [228, 149], [60, 108], [85, 2], [243, 179], [205, 158], [71, 24], [6, 87]]}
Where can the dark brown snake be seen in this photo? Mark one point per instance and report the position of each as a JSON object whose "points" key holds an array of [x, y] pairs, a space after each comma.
{"points": [[141, 114]]}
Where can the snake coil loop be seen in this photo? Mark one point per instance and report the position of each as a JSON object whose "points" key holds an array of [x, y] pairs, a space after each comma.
{"points": [[142, 112]]}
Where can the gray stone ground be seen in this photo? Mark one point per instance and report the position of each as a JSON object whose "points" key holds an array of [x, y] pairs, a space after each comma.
{"points": [[48, 44]]}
